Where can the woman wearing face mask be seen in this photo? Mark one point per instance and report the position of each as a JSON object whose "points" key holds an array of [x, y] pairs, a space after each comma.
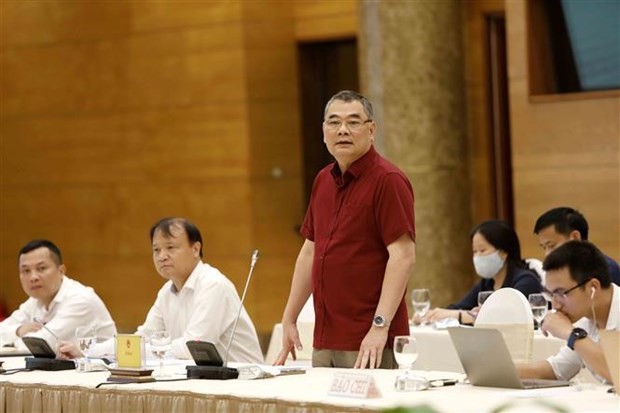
{"points": [[497, 260]]}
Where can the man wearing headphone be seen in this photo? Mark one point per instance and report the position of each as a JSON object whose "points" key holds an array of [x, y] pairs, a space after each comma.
{"points": [[584, 302]]}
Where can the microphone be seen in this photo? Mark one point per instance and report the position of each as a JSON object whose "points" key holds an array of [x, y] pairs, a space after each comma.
{"points": [[209, 365], [38, 321], [44, 357]]}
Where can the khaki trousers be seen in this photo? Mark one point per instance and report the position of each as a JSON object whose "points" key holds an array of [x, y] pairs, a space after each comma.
{"points": [[346, 359]]}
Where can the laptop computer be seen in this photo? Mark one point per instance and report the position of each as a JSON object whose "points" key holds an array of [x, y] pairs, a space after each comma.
{"points": [[487, 362], [610, 342]]}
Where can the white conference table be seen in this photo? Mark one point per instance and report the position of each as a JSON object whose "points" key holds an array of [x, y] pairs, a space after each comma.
{"points": [[70, 391], [435, 348], [436, 351]]}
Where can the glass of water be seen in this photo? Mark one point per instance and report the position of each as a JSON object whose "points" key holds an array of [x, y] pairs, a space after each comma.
{"points": [[421, 300], [86, 337], [405, 351], [160, 342], [538, 303], [406, 354]]}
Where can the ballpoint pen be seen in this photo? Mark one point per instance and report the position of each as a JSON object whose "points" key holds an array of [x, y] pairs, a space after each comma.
{"points": [[443, 382], [37, 320]]}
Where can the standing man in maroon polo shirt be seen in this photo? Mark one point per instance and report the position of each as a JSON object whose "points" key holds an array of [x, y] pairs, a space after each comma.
{"points": [[359, 247]]}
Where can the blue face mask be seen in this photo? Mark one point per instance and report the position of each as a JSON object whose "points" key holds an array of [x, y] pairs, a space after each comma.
{"points": [[487, 266]]}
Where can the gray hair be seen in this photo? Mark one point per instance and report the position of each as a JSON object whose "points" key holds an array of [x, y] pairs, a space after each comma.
{"points": [[351, 96]]}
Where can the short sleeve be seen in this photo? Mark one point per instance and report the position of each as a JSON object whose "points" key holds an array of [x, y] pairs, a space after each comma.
{"points": [[394, 212]]}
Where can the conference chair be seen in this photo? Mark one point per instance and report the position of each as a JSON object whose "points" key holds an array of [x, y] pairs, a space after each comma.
{"points": [[508, 311], [306, 335]]}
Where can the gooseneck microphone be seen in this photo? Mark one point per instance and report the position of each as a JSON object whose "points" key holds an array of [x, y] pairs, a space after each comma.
{"points": [[208, 363], [39, 321], [245, 290]]}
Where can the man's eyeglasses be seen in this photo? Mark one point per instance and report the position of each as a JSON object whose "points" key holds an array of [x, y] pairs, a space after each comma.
{"points": [[559, 294], [351, 124]]}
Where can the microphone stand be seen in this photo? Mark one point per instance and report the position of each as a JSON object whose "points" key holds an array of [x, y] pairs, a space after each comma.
{"points": [[224, 372]]}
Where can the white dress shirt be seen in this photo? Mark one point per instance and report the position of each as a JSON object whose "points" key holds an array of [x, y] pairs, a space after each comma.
{"points": [[205, 309], [74, 305], [567, 363]]}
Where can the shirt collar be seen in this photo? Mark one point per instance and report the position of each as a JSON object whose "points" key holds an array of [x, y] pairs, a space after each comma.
{"points": [[191, 280], [58, 298], [356, 169]]}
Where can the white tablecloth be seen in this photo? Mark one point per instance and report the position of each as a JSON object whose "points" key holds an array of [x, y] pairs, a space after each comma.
{"points": [[13, 352], [69, 391]]}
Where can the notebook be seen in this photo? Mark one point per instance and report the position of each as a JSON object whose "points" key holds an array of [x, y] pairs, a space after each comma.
{"points": [[487, 362], [610, 342]]}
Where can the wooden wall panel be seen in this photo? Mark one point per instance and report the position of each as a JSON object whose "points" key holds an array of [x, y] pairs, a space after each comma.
{"points": [[27, 23], [138, 145], [154, 15], [184, 80], [275, 162], [186, 67], [566, 150], [115, 219], [115, 114], [279, 147], [325, 20], [110, 76], [592, 189], [60, 79]]}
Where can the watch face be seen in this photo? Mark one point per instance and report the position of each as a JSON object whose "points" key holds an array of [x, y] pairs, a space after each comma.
{"points": [[580, 333], [576, 334], [379, 321]]}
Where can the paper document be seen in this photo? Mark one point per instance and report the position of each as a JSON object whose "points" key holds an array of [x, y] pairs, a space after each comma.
{"points": [[263, 371]]}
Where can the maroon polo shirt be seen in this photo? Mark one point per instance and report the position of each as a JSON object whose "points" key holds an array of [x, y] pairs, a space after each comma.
{"points": [[351, 219]]}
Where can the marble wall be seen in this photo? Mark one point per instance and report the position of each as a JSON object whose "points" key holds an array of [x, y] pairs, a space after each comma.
{"points": [[412, 69]]}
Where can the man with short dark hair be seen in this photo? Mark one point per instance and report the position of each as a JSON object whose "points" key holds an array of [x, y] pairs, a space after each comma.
{"points": [[585, 302], [559, 225], [57, 303], [196, 303]]}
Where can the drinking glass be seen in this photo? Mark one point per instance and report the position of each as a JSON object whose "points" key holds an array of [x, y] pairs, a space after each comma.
{"points": [[160, 342], [406, 354], [421, 300], [405, 351], [482, 297], [538, 303], [86, 337]]}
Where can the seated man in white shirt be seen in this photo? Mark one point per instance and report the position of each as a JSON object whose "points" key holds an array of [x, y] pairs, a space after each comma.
{"points": [[57, 303], [197, 303], [586, 301]]}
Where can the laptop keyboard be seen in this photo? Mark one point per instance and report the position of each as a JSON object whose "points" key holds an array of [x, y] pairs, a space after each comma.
{"points": [[541, 383]]}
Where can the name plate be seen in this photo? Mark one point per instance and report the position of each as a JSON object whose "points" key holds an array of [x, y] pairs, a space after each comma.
{"points": [[129, 350], [356, 385]]}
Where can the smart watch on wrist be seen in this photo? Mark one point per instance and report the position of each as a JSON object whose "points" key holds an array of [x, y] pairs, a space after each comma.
{"points": [[576, 334], [379, 321]]}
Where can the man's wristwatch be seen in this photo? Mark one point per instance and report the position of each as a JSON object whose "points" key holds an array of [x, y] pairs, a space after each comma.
{"points": [[380, 321], [576, 334]]}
